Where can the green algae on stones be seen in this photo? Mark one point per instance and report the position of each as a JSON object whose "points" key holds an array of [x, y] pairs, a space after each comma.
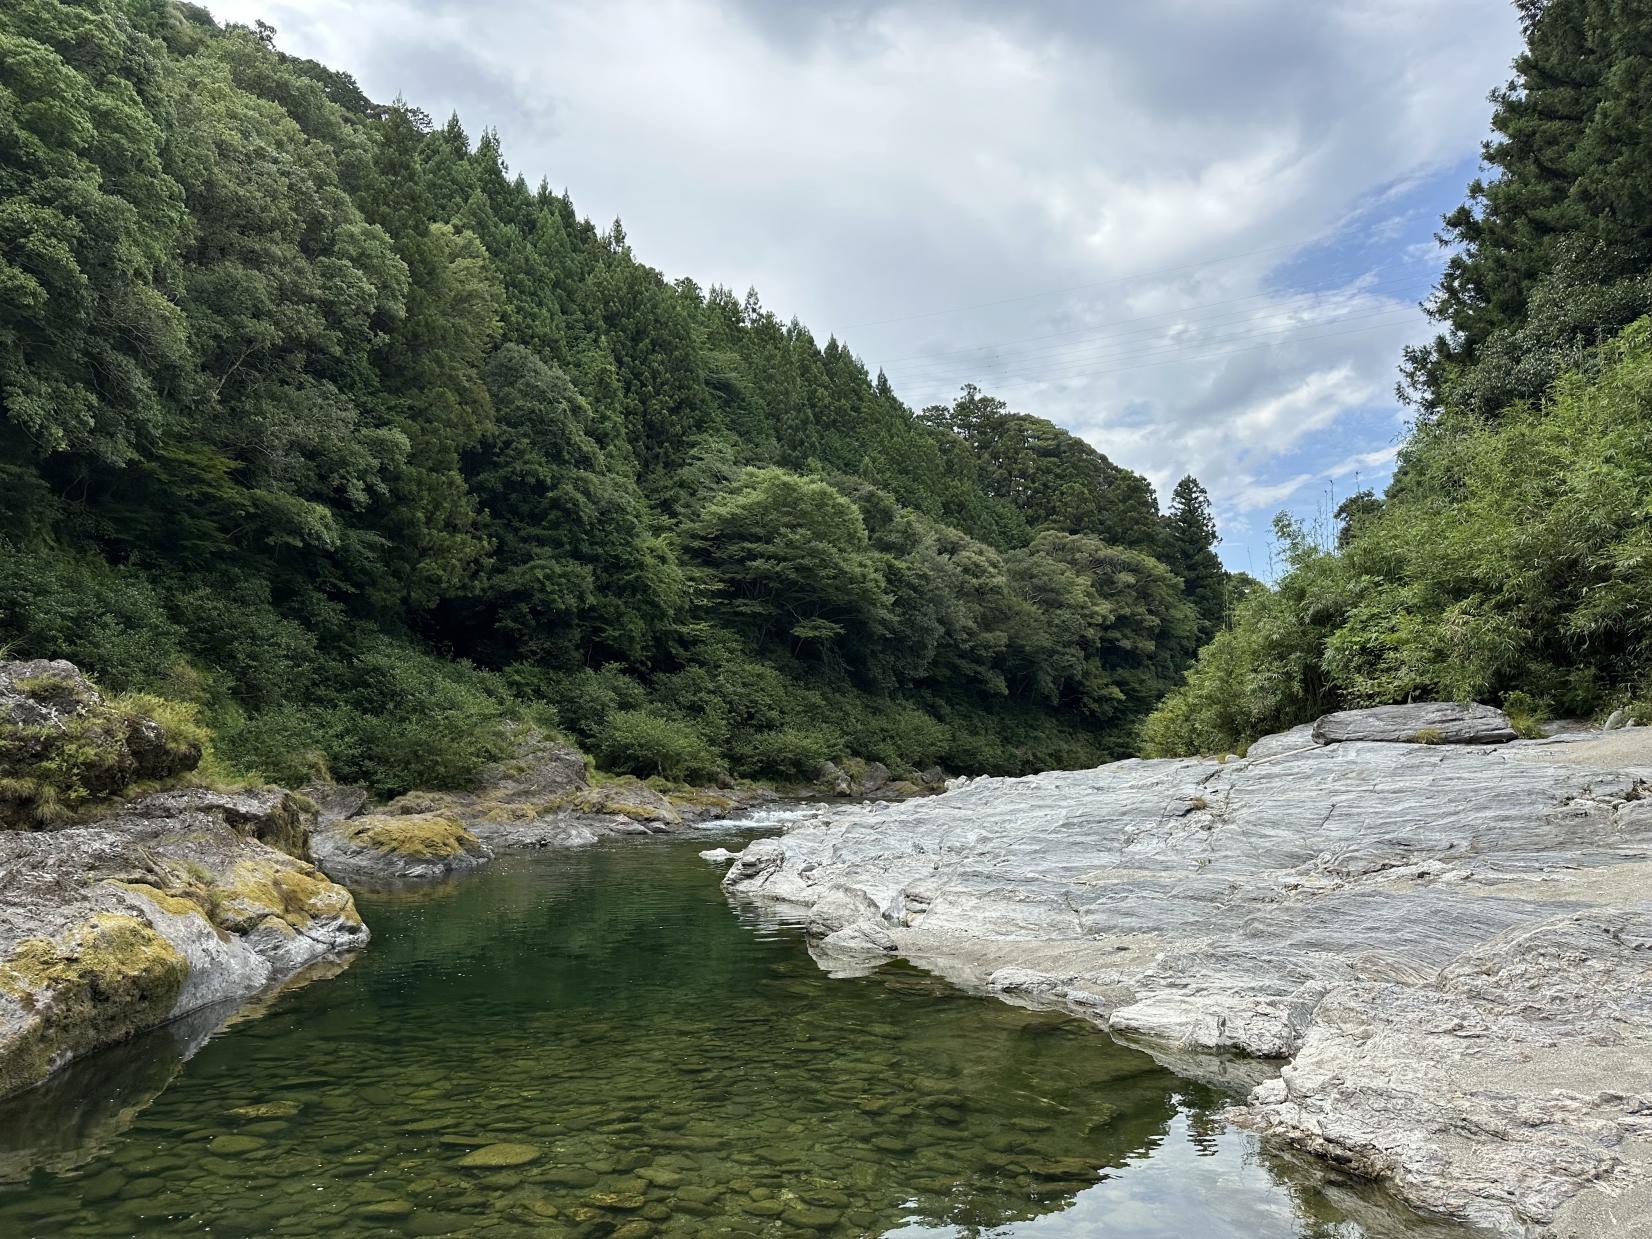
{"points": [[494, 1156], [232, 1146], [268, 1110]]}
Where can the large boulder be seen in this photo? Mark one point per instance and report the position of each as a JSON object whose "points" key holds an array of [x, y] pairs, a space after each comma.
{"points": [[1425, 722], [271, 815], [64, 746], [110, 929], [1453, 944], [391, 848]]}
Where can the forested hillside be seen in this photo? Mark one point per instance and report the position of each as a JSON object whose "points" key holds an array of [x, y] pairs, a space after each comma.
{"points": [[1511, 559], [318, 419]]}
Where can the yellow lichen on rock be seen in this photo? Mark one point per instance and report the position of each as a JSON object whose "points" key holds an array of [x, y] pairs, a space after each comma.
{"points": [[421, 836], [190, 900], [250, 893], [626, 798], [254, 891], [106, 979]]}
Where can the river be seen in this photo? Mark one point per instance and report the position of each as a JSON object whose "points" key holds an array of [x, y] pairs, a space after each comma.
{"points": [[594, 1043]]}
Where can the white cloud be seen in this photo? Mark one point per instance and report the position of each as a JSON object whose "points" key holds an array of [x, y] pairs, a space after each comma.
{"points": [[916, 176]]}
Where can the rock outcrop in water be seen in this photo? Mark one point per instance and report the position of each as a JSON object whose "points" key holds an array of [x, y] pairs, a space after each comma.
{"points": [[168, 907], [1451, 943], [542, 796], [166, 904], [381, 848]]}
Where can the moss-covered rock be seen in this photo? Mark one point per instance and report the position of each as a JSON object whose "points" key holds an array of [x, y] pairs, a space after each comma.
{"points": [[110, 929], [427, 836], [386, 847], [105, 979], [65, 747]]}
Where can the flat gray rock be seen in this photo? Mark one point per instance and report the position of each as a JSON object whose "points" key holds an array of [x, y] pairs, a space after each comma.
{"points": [[1451, 945], [1283, 742], [1425, 722]]}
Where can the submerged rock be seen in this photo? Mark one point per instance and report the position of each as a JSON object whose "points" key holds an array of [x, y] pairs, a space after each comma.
{"points": [[1453, 943], [499, 1156]]}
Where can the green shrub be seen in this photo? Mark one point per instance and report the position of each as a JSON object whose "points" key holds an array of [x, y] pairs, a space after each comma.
{"points": [[585, 700], [644, 743], [902, 736], [1511, 560], [110, 622], [789, 754]]}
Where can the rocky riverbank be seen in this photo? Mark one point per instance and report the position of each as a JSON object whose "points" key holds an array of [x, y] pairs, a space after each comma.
{"points": [[545, 796], [145, 909], [171, 906], [121, 909], [1448, 945]]}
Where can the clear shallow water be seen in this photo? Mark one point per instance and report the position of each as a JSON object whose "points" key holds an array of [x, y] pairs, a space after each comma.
{"points": [[671, 1068]]}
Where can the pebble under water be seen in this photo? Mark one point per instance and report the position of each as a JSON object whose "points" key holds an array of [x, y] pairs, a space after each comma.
{"points": [[594, 1043]]}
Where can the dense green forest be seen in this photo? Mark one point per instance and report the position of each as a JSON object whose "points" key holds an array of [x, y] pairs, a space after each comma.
{"points": [[1511, 558], [319, 421]]}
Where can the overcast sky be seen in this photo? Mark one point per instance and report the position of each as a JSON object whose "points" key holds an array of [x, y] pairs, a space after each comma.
{"points": [[1192, 231]]}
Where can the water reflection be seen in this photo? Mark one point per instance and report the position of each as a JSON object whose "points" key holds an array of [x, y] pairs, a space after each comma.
{"points": [[590, 1044]]}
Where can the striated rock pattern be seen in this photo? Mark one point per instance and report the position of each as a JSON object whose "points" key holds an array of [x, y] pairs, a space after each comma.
{"points": [[166, 908], [1426, 722], [1452, 944]]}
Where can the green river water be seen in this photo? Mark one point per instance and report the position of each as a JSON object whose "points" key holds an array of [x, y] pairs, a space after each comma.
{"points": [[660, 1064]]}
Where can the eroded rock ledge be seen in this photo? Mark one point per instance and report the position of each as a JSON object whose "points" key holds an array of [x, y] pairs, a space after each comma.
{"points": [[148, 908], [1450, 943], [169, 907]]}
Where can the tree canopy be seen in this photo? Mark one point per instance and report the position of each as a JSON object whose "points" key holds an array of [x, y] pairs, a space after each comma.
{"points": [[317, 415]]}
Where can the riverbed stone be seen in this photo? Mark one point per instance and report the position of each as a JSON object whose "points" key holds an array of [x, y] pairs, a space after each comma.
{"points": [[231, 1146], [810, 1217], [1450, 943], [494, 1156]]}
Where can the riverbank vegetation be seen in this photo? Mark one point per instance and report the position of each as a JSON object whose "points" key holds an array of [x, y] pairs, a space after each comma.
{"points": [[1511, 558], [319, 419]]}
